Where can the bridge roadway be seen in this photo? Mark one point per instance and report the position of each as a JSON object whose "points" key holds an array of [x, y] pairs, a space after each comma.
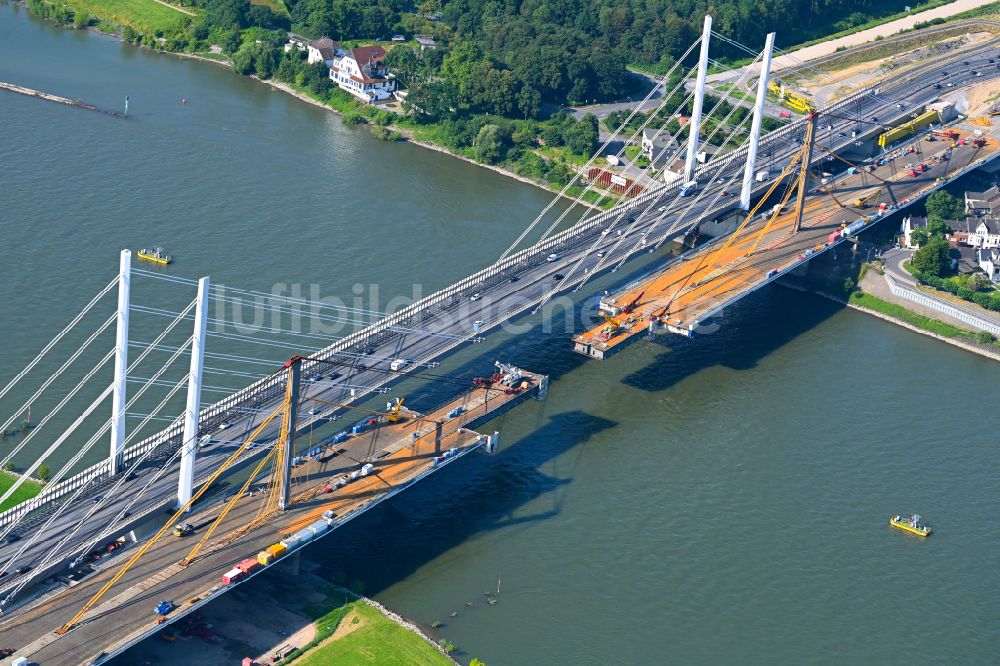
{"points": [[721, 273], [445, 321], [125, 614]]}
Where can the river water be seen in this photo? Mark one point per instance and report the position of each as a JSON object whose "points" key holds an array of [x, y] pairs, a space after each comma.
{"points": [[719, 500]]}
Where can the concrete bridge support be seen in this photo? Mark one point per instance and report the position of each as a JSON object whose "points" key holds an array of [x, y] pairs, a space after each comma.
{"points": [[189, 443], [118, 397], [758, 117], [699, 99], [288, 443]]}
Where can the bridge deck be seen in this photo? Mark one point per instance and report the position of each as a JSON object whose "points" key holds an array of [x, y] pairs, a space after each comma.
{"points": [[716, 276], [127, 615]]}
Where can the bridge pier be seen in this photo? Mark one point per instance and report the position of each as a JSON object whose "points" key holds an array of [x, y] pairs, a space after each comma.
{"points": [[118, 397], [699, 98], [758, 117], [189, 442]]}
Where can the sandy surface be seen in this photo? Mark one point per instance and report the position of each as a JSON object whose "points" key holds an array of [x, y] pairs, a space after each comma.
{"points": [[858, 38]]}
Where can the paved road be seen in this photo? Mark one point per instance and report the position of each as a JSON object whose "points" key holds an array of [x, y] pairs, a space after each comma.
{"points": [[894, 260], [444, 327], [794, 59]]}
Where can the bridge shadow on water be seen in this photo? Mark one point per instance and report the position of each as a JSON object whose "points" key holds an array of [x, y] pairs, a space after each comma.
{"points": [[478, 494], [746, 333]]}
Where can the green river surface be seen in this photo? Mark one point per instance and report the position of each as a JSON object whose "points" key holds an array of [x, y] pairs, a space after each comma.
{"points": [[717, 500]]}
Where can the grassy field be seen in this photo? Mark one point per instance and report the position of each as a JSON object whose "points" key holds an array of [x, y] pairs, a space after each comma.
{"points": [[367, 637], [142, 15], [278, 6], [28, 490]]}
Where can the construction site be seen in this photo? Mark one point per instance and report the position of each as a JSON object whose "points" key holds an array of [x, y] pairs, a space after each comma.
{"points": [[283, 503], [781, 234]]}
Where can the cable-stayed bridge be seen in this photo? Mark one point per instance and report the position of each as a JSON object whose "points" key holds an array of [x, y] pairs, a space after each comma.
{"points": [[249, 435]]}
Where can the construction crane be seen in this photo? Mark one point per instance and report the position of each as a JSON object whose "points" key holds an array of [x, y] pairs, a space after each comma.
{"points": [[807, 149], [888, 184], [391, 416], [631, 305]]}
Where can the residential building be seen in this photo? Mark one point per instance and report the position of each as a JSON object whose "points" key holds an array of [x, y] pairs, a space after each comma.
{"points": [[986, 233], [323, 50], [910, 224], [425, 41], [983, 203], [658, 148], [989, 262], [362, 72]]}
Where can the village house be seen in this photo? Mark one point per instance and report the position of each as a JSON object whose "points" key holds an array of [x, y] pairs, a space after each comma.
{"points": [[910, 224], [323, 50], [986, 233], [976, 203], [658, 149], [989, 262], [362, 72]]}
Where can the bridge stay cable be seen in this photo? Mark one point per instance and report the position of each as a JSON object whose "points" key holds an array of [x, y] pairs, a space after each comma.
{"points": [[69, 431], [55, 340], [173, 519], [98, 505], [721, 164], [58, 373], [563, 193]]}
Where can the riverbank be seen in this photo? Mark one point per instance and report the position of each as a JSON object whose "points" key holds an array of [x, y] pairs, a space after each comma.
{"points": [[906, 318], [28, 489], [118, 31], [407, 136]]}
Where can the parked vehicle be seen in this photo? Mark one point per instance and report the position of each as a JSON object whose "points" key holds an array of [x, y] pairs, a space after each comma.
{"points": [[398, 364]]}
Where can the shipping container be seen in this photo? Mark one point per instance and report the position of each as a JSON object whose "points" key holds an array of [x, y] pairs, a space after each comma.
{"points": [[319, 527], [264, 558], [329, 515], [290, 542], [248, 565], [277, 550], [341, 437], [304, 535], [833, 237], [231, 576]]}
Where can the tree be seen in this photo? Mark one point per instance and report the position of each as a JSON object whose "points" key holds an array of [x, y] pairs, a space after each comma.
{"points": [[9, 466], [936, 228], [918, 237], [581, 137], [43, 472], [489, 144], [933, 258], [941, 206], [476, 662]]}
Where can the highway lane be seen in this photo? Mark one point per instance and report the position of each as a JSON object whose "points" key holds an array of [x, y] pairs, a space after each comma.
{"points": [[445, 329]]}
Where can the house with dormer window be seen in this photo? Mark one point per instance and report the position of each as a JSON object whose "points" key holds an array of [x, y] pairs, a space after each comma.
{"points": [[361, 71]]}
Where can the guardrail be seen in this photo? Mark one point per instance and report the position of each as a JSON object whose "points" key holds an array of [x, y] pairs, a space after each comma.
{"points": [[269, 387], [945, 308]]}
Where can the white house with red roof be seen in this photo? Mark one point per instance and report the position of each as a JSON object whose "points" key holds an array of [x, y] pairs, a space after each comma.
{"points": [[361, 71]]}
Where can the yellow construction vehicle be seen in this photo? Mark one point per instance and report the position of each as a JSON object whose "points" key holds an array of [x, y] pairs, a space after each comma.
{"points": [[865, 200], [392, 415], [790, 99], [612, 322]]}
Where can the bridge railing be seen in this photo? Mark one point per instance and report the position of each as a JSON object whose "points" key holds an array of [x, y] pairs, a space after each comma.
{"points": [[263, 390]]}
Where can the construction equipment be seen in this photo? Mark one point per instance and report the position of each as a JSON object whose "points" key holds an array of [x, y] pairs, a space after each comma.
{"points": [[183, 530], [392, 415], [950, 134], [172, 521], [888, 184], [979, 142], [612, 322], [863, 201], [807, 148], [631, 305], [910, 128], [789, 99], [982, 121]]}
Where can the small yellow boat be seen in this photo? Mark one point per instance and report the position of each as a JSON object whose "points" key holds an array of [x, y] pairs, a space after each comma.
{"points": [[156, 255], [911, 525]]}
